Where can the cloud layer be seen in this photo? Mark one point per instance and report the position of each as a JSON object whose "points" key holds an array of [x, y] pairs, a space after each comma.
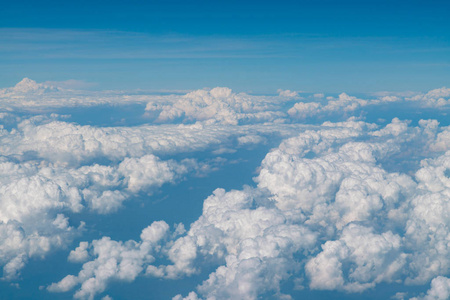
{"points": [[339, 206], [324, 211]]}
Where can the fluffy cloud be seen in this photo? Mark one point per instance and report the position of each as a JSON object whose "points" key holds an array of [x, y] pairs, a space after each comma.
{"points": [[30, 95], [374, 258], [344, 103], [338, 206], [218, 105], [41, 178], [434, 98], [287, 93], [335, 189], [324, 210], [31, 239], [252, 242], [80, 253], [113, 261], [428, 224], [31, 194], [74, 144], [47, 168], [440, 289]]}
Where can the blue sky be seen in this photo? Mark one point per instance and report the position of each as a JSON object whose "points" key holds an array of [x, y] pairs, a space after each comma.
{"points": [[259, 47], [193, 150]]}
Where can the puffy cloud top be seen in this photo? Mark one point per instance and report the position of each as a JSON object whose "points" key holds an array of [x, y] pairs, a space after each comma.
{"points": [[340, 206]]}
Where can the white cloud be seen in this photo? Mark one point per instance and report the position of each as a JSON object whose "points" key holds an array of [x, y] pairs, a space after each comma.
{"points": [[46, 169], [434, 98], [428, 224], [112, 261], [305, 109], [343, 104], [287, 93], [66, 284], [218, 105], [149, 171], [251, 139], [80, 253], [34, 238], [33, 195], [333, 207], [323, 204], [440, 289], [373, 258], [29, 95], [58, 141]]}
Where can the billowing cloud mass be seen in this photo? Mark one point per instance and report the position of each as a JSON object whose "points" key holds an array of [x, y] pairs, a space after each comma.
{"points": [[327, 199], [220, 105], [34, 197], [344, 206]]}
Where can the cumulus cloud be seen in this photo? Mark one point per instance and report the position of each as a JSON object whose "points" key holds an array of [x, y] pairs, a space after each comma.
{"points": [[287, 93], [48, 167], [252, 242], [113, 261], [324, 211], [71, 143], [374, 258], [80, 253], [329, 184], [338, 206], [32, 239], [434, 98], [31, 194], [28, 95], [428, 223], [343, 103], [36, 191], [28, 86], [440, 289], [346, 104], [218, 105]]}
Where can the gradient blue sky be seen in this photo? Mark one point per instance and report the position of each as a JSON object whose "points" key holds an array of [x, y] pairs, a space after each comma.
{"points": [[251, 46]]}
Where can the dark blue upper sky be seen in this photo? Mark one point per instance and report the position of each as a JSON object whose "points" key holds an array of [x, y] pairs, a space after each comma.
{"points": [[319, 17], [360, 46]]}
